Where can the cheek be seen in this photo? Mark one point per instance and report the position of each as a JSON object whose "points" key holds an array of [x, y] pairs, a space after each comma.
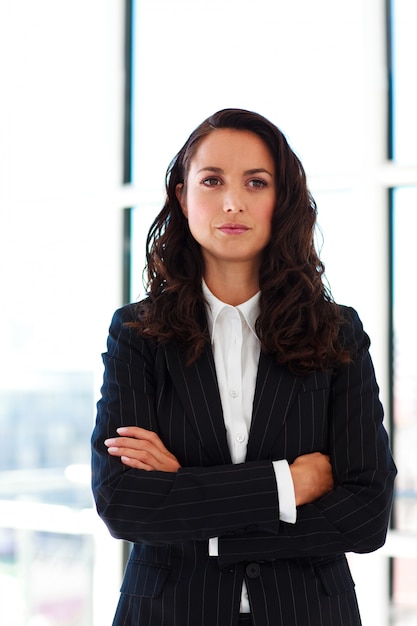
{"points": [[198, 211], [198, 227], [267, 216], [197, 222]]}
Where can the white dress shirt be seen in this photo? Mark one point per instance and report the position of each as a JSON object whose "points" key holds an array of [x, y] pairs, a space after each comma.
{"points": [[236, 350]]}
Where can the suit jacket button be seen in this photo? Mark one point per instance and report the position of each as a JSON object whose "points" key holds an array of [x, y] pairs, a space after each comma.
{"points": [[253, 570]]}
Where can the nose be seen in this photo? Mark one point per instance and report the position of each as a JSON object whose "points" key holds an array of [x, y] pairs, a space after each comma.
{"points": [[233, 203]]}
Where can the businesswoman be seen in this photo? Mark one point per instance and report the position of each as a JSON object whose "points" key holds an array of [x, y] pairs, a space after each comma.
{"points": [[239, 442]]}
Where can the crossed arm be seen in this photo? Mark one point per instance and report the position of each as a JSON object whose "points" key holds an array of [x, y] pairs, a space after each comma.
{"points": [[139, 448], [350, 515]]}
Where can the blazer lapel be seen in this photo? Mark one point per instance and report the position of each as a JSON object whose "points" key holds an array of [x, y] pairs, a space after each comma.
{"points": [[275, 391], [197, 387]]}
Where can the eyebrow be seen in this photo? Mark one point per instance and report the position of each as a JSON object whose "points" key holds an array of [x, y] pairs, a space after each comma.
{"points": [[218, 170]]}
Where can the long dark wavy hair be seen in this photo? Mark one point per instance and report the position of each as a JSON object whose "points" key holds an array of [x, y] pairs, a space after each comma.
{"points": [[299, 322]]}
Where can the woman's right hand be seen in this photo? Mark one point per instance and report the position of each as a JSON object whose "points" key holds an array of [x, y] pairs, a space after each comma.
{"points": [[312, 477], [141, 449]]}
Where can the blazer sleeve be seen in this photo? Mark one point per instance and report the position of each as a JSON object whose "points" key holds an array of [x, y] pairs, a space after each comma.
{"points": [[195, 503], [354, 516]]}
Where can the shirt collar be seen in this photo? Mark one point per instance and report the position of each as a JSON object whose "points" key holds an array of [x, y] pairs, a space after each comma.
{"points": [[249, 309]]}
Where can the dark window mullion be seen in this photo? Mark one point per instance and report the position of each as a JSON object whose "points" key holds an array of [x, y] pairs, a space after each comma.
{"points": [[127, 150]]}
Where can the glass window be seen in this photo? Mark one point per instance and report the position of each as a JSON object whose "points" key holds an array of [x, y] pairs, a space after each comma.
{"points": [[299, 63], [315, 69], [404, 55], [405, 362], [405, 385], [45, 577], [61, 136]]}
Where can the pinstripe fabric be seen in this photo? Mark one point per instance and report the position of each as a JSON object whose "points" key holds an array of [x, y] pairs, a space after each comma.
{"points": [[296, 575]]}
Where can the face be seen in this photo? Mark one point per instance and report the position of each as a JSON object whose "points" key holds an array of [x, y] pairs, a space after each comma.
{"points": [[229, 197]]}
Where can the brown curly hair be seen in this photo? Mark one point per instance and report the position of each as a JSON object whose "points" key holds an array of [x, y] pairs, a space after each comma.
{"points": [[299, 322]]}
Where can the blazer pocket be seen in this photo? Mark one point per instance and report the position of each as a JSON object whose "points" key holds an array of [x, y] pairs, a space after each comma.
{"points": [[335, 576], [145, 580]]}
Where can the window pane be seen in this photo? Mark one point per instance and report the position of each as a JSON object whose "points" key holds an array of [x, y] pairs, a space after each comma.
{"points": [[300, 63], [404, 591], [405, 394], [405, 362], [404, 52], [60, 168], [334, 249], [56, 587]]}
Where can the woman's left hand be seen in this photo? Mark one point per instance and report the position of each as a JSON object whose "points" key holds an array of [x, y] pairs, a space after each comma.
{"points": [[141, 449]]}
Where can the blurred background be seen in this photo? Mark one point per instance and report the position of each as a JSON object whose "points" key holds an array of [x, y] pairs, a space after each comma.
{"points": [[97, 96]]}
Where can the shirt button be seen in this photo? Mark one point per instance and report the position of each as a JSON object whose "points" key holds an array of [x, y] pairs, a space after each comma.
{"points": [[234, 393], [253, 570], [240, 438]]}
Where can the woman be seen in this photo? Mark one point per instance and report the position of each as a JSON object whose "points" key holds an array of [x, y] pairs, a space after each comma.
{"points": [[239, 442]]}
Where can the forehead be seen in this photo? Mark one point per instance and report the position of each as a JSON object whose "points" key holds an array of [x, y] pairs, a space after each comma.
{"points": [[230, 147]]}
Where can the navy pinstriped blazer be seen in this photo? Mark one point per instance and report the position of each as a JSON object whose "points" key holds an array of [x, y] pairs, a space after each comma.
{"points": [[296, 575]]}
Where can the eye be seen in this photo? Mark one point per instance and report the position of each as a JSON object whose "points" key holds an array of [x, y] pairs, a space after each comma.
{"points": [[211, 181], [257, 183]]}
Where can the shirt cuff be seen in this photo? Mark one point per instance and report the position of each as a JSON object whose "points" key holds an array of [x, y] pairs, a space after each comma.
{"points": [[213, 548], [286, 495], [287, 508]]}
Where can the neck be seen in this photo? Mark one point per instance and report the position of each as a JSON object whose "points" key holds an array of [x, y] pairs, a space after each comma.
{"points": [[232, 285]]}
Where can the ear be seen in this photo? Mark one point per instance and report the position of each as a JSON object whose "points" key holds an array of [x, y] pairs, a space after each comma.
{"points": [[179, 192]]}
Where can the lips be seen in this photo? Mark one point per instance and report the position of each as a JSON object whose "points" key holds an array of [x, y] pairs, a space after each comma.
{"points": [[233, 229]]}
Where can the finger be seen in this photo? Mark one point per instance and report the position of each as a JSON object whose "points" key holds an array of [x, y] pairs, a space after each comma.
{"points": [[159, 452], [141, 459], [142, 434], [138, 453], [145, 456], [130, 443], [123, 442], [135, 464], [145, 440]]}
